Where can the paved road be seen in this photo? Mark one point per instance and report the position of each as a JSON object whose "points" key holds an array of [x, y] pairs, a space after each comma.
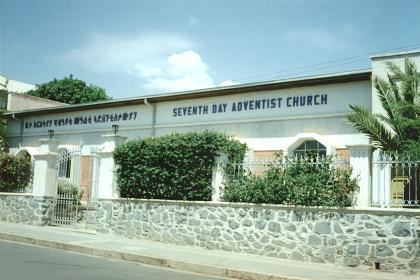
{"points": [[23, 262]]}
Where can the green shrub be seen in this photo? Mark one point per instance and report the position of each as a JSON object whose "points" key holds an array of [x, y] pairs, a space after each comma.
{"points": [[300, 182], [177, 166], [65, 187], [15, 172]]}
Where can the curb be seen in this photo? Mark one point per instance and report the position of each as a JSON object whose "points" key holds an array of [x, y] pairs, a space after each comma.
{"points": [[149, 260]]}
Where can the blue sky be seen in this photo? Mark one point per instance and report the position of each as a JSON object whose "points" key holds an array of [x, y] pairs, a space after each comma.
{"points": [[134, 48]]}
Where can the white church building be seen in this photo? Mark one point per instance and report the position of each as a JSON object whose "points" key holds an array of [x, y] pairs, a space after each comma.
{"points": [[285, 116]]}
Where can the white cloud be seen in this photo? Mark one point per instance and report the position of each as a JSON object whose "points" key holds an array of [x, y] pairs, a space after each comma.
{"points": [[131, 53], [228, 83], [183, 71], [145, 71], [161, 62]]}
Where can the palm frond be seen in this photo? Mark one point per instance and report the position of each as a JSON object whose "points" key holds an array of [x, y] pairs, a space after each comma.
{"points": [[386, 96], [410, 83], [393, 125], [370, 125], [394, 88], [401, 103], [394, 69]]}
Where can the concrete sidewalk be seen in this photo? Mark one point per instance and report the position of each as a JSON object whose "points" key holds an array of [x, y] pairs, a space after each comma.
{"points": [[217, 263]]}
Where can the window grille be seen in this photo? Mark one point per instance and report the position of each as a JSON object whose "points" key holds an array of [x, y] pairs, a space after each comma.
{"points": [[310, 148]]}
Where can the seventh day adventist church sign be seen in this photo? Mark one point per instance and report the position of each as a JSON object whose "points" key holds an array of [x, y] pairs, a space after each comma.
{"points": [[251, 105]]}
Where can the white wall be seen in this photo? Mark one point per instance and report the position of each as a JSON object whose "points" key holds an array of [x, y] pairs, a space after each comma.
{"points": [[339, 96], [100, 120], [263, 129], [380, 69], [14, 86]]}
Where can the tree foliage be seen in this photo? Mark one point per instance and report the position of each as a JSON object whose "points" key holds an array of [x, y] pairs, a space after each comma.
{"points": [[398, 128], [15, 172], [3, 125], [3, 143], [177, 166], [69, 90]]}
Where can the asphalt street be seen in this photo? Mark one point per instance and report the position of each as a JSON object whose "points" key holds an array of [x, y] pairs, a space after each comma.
{"points": [[23, 262]]}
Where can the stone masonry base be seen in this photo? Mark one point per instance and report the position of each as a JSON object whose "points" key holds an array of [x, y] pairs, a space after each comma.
{"points": [[25, 208], [344, 237]]}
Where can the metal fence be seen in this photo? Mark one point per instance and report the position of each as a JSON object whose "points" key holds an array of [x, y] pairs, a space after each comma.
{"points": [[258, 167], [395, 181], [66, 201]]}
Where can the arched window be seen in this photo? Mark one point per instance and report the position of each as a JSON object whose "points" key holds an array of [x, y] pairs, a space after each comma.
{"points": [[310, 148], [64, 163]]}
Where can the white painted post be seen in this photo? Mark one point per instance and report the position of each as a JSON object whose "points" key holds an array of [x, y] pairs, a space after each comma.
{"points": [[106, 180], [45, 170], [381, 179], [218, 178], [360, 161]]}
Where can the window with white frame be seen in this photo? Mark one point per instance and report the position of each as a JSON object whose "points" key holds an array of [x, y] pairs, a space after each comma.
{"points": [[310, 148]]}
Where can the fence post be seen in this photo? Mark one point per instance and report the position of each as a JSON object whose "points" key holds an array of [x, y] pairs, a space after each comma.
{"points": [[106, 176], [360, 161], [44, 185], [218, 178], [381, 179], [45, 169]]}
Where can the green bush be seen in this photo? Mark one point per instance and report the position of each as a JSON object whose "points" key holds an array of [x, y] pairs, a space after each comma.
{"points": [[65, 187], [300, 182], [15, 172], [177, 166]]}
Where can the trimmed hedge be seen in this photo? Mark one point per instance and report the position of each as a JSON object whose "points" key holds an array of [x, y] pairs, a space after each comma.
{"points": [[15, 172], [300, 182], [174, 167]]}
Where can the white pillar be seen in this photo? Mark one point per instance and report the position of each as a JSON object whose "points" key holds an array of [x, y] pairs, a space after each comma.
{"points": [[381, 179], [45, 170], [360, 161], [218, 179], [106, 180]]}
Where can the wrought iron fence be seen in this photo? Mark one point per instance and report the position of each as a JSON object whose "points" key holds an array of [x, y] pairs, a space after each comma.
{"points": [[67, 199], [65, 208], [258, 167], [395, 180]]}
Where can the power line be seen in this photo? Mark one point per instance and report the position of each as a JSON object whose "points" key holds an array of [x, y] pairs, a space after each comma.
{"points": [[330, 63]]}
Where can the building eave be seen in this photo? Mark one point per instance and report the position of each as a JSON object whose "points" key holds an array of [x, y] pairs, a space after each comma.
{"points": [[359, 75], [389, 55]]}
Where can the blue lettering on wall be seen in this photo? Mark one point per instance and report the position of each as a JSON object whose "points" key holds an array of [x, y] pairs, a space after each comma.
{"points": [[252, 105], [81, 120]]}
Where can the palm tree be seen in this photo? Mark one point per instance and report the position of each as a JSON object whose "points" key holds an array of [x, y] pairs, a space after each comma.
{"points": [[398, 128]]}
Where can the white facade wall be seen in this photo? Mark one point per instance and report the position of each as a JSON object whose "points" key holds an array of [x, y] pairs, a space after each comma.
{"points": [[262, 128], [14, 86], [380, 69]]}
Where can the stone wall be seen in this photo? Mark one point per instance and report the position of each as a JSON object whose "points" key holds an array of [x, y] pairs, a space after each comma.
{"points": [[345, 237], [25, 208]]}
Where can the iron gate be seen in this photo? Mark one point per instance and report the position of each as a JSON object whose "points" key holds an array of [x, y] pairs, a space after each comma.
{"points": [[68, 195]]}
